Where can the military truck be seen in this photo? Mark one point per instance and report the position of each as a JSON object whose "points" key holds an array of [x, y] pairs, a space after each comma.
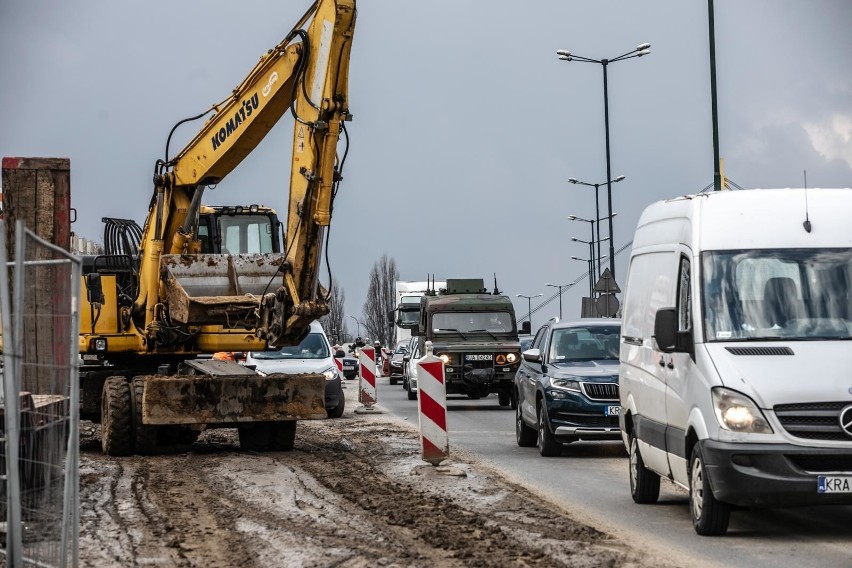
{"points": [[475, 333]]}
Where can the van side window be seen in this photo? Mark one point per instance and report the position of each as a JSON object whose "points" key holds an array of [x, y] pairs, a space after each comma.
{"points": [[684, 297]]}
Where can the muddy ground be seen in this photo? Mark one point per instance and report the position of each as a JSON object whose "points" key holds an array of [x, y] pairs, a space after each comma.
{"points": [[352, 493]]}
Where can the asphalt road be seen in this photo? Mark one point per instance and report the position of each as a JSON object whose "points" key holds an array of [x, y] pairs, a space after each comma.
{"points": [[591, 480]]}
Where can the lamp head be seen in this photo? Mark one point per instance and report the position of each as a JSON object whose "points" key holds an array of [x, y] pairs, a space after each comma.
{"points": [[643, 52], [565, 53], [572, 180], [641, 46], [572, 217], [619, 178]]}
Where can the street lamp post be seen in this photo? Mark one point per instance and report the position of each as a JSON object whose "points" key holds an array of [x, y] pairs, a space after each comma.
{"points": [[359, 324], [597, 207], [560, 286], [529, 306], [639, 51], [592, 222], [591, 283]]}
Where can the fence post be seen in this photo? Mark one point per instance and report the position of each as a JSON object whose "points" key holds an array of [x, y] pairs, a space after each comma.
{"points": [[432, 408]]}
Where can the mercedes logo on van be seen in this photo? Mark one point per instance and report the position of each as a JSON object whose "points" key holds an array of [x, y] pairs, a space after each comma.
{"points": [[846, 420]]}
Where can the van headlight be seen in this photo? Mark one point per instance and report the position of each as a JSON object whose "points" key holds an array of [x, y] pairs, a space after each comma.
{"points": [[330, 374], [738, 413]]}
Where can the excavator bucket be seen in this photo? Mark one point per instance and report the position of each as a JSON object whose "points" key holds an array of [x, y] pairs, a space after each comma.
{"points": [[218, 289]]}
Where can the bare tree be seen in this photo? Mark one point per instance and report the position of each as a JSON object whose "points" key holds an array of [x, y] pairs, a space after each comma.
{"points": [[380, 300], [333, 323]]}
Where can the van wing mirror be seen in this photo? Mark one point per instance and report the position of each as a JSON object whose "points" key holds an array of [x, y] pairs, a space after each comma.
{"points": [[340, 354], [665, 330]]}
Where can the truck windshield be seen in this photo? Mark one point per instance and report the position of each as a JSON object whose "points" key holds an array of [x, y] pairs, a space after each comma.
{"points": [[784, 294], [464, 322], [246, 234]]}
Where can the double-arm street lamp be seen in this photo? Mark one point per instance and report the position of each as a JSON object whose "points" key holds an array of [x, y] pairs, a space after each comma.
{"points": [[592, 223], [529, 306], [597, 207], [590, 262], [560, 286], [359, 324], [639, 51], [596, 261]]}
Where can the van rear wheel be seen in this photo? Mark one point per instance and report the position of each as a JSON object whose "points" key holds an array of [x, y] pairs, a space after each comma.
{"points": [[644, 483], [709, 516]]}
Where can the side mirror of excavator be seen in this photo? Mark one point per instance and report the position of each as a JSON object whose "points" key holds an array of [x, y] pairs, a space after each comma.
{"points": [[94, 289]]}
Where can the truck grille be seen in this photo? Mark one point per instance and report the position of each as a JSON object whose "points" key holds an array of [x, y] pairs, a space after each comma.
{"points": [[469, 365], [601, 391], [813, 420]]}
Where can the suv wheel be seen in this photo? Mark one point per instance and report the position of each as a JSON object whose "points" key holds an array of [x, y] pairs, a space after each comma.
{"points": [[709, 516], [644, 483], [547, 444], [525, 436]]}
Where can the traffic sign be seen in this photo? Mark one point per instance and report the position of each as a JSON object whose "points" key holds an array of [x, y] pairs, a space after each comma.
{"points": [[606, 283]]}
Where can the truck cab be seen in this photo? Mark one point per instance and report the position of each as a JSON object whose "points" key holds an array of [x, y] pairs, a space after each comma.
{"points": [[475, 333]]}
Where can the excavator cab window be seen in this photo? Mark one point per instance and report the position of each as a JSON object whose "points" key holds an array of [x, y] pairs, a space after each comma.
{"points": [[246, 234]]}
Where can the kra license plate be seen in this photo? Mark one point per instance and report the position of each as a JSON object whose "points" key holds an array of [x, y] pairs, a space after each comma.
{"points": [[612, 410], [834, 484]]}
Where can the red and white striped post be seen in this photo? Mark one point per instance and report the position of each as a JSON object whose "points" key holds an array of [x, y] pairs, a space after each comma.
{"points": [[432, 406], [367, 393], [339, 362]]}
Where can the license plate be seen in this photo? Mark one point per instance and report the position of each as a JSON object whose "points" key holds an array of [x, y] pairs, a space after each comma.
{"points": [[348, 367], [487, 357], [612, 410], [834, 484]]}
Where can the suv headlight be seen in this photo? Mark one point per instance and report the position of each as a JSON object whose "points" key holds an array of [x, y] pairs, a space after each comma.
{"points": [[738, 413], [565, 384], [330, 374]]}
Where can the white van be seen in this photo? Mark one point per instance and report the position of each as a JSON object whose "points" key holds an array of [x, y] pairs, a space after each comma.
{"points": [[735, 371]]}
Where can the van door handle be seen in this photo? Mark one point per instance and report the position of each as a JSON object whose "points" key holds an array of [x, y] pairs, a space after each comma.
{"points": [[670, 365], [663, 361]]}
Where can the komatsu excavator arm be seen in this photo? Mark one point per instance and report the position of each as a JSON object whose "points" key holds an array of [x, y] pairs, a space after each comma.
{"points": [[307, 74]]}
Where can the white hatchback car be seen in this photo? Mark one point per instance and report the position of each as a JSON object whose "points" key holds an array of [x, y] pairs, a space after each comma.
{"points": [[312, 355]]}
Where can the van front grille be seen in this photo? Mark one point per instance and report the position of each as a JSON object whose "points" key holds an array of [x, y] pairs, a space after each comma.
{"points": [[813, 420], [822, 463]]}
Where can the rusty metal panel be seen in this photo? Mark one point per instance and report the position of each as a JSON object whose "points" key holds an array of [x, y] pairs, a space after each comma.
{"points": [[232, 399]]}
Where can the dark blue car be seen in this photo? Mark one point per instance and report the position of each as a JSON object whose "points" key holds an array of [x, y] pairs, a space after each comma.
{"points": [[567, 385]]}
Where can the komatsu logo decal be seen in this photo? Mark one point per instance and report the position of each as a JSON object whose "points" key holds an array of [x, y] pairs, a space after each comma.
{"points": [[248, 106], [272, 80]]}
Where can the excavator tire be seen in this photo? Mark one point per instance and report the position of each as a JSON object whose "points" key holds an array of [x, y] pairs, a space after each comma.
{"points": [[116, 417], [254, 437], [282, 435], [145, 437]]}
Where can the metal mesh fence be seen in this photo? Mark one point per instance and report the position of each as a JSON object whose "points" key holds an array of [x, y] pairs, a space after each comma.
{"points": [[40, 499]]}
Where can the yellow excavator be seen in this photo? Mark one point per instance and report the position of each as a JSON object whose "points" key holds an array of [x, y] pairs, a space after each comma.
{"points": [[152, 310]]}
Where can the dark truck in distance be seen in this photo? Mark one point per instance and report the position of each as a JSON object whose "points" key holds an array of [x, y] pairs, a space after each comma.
{"points": [[474, 332]]}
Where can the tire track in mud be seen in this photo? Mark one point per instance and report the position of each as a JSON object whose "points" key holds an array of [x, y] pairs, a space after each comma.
{"points": [[352, 493]]}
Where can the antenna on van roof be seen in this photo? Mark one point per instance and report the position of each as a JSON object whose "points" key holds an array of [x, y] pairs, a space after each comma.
{"points": [[807, 223]]}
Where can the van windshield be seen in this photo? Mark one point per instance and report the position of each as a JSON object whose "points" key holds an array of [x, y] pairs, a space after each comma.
{"points": [[784, 294]]}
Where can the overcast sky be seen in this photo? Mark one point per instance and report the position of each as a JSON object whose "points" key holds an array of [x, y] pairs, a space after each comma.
{"points": [[467, 126]]}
